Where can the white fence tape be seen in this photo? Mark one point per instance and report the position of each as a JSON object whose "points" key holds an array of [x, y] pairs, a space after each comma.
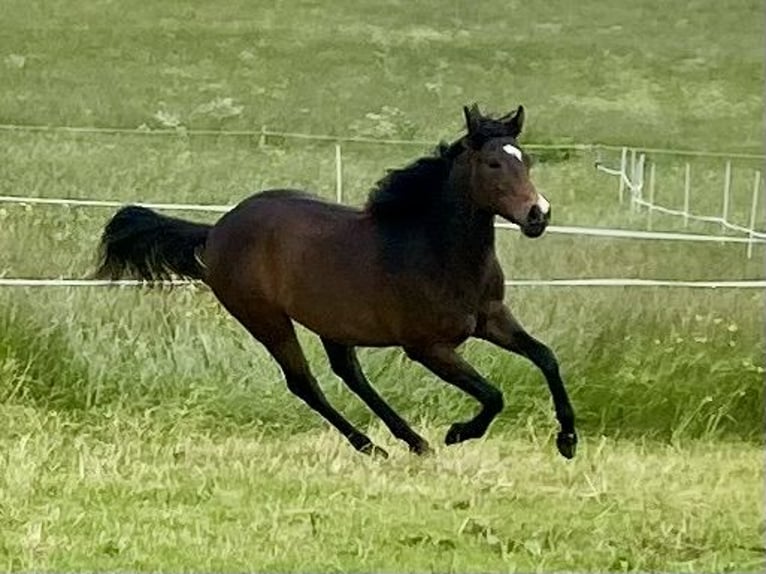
{"points": [[111, 203], [264, 132], [706, 218], [626, 282], [64, 282], [636, 234], [556, 229], [596, 282], [635, 184]]}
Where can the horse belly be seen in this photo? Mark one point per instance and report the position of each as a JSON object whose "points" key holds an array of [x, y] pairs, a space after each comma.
{"points": [[428, 326], [343, 314]]}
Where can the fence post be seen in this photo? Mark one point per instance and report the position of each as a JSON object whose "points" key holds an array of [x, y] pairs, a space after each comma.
{"points": [[262, 137], [632, 182], [338, 174], [753, 210], [640, 174], [726, 192], [623, 168], [651, 196], [687, 191]]}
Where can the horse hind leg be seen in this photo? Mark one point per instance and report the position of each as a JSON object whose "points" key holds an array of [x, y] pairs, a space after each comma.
{"points": [[276, 332], [345, 364]]}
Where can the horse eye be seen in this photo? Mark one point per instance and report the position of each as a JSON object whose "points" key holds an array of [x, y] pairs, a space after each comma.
{"points": [[493, 163]]}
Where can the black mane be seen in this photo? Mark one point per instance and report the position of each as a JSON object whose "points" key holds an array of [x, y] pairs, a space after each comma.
{"points": [[411, 190]]}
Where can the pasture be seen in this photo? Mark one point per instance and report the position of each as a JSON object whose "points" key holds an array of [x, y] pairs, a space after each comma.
{"points": [[146, 430]]}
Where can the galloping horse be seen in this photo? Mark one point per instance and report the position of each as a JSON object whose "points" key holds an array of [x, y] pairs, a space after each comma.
{"points": [[416, 268]]}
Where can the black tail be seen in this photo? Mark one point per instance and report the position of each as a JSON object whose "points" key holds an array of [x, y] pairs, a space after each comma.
{"points": [[140, 243]]}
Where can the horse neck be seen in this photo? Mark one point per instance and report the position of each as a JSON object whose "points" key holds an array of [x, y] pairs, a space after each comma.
{"points": [[463, 234]]}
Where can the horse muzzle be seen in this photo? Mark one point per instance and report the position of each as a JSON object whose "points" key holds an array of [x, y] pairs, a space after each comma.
{"points": [[536, 221]]}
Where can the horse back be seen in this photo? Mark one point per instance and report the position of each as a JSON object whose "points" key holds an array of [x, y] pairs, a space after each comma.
{"points": [[314, 261]]}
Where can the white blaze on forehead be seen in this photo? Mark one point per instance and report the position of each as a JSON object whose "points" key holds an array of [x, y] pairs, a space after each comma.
{"points": [[512, 150], [543, 204]]}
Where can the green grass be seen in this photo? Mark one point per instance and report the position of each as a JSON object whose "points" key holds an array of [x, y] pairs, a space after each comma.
{"points": [[669, 368], [129, 494], [684, 75], [146, 430]]}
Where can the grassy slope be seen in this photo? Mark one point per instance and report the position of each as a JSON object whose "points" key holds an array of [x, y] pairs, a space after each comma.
{"points": [[623, 72], [128, 378]]}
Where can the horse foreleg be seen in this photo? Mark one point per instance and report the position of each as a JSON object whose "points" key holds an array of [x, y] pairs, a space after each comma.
{"points": [[500, 327], [444, 362]]}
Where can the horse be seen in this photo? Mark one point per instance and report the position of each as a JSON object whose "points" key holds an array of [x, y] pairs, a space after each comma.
{"points": [[415, 268]]}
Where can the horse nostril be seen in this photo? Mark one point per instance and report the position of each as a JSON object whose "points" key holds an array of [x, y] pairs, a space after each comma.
{"points": [[535, 214]]}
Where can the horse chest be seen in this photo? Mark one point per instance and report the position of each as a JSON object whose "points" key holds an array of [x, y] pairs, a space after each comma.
{"points": [[443, 306]]}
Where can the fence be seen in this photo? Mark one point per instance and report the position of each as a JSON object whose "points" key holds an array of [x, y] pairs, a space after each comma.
{"points": [[632, 180], [589, 282], [630, 174], [614, 233]]}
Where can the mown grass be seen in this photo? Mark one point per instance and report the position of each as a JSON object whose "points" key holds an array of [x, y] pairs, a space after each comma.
{"points": [[145, 430], [123, 493]]}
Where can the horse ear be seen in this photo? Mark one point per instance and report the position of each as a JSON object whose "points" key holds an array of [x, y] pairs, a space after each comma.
{"points": [[516, 123], [472, 118]]}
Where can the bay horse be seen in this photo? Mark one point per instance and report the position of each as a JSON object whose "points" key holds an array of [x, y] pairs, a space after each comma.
{"points": [[415, 268]]}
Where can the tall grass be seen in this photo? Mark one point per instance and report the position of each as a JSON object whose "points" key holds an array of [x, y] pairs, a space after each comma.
{"points": [[643, 364]]}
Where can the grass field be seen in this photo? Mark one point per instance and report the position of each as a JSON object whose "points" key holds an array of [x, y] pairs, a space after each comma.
{"points": [[145, 430]]}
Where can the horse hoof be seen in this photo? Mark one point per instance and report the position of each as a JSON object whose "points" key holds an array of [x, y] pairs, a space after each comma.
{"points": [[421, 449], [455, 434], [374, 451], [566, 442]]}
